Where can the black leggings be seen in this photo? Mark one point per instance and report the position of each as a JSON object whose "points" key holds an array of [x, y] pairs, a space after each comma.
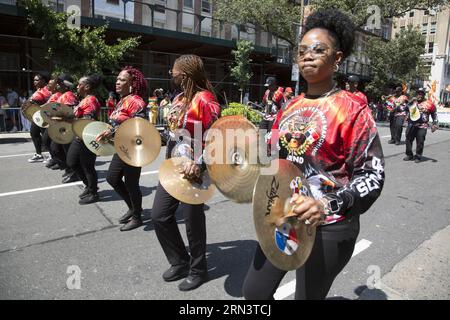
{"points": [[391, 118], [332, 250], [82, 161], [418, 134], [166, 228], [38, 136], [129, 190]]}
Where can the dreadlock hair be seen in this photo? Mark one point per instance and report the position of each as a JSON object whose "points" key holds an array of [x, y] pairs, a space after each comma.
{"points": [[338, 24], [196, 80], [138, 82]]}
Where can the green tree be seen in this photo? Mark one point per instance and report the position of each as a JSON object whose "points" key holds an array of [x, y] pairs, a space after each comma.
{"points": [[389, 8], [77, 51], [241, 71], [274, 16], [396, 60]]}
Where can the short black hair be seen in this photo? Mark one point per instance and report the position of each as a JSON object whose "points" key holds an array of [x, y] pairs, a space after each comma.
{"points": [[338, 24], [43, 75], [93, 80]]}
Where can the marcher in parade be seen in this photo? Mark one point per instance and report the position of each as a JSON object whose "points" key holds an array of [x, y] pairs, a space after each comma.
{"points": [[417, 129], [131, 86], [397, 115], [353, 83], [196, 105], [272, 101], [79, 158], [330, 133]]}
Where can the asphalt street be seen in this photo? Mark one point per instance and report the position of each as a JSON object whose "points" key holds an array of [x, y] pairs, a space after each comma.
{"points": [[45, 234]]}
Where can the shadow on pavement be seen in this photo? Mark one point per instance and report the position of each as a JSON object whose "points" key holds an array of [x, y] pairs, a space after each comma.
{"points": [[364, 293], [110, 195], [14, 140], [231, 259]]}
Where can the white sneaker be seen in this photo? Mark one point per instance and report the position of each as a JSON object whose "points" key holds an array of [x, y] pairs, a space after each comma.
{"points": [[36, 158]]}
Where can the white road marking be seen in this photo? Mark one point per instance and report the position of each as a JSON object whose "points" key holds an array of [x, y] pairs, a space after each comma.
{"points": [[289, 288], [21, 155], [386, 136], [60, 186]]}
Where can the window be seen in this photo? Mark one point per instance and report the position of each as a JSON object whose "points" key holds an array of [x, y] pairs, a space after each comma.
{"points": [[430, 47], [425, 28], [116, 2], [427, 12], [433, 28], [411, 14], [53, 5], [402, 28], [206, 6], [188, 4]]}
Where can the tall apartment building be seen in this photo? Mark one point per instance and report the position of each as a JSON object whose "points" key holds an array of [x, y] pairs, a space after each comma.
{"points": [[168, 28], [435, 26]]}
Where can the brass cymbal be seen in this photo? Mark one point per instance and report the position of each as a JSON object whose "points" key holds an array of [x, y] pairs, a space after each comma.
{"points": [[78, 126], [137, 142], [231, 156], [61, 132], [90, 133], [55, 109], [289, 244], [182, 189], [30, 110], [39, 120]]}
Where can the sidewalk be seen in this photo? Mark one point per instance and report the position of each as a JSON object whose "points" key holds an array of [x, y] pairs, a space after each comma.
{"points": [[7, 135], [422, 275]]}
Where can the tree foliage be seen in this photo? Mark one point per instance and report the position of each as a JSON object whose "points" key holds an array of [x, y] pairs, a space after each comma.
{"points": [[274, 16], [241, 71], [77, 51], [397, 60], [389, 8]]}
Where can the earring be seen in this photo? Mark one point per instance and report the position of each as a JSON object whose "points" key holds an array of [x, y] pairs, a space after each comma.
{"points": [[131, 89], [336, 67]]}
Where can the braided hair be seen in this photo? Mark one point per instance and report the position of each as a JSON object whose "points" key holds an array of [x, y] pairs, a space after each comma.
{"points": [[138, 82]]}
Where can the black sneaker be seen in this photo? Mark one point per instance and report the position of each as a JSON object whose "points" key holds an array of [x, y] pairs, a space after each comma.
{"points": [[69, 179], [56, 166], [50, 162], [391, 141], [408, 158], [192, 282], [177, 272], [90, 198], [417, 159]]}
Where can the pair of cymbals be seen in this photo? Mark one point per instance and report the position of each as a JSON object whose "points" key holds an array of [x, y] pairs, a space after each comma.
{"points": [[285, 241], [29, 108], [78, 126], [90, 133], [231, 156], [137, 142], [55, 109], [182, 189], [61, 132], [39, 120]]}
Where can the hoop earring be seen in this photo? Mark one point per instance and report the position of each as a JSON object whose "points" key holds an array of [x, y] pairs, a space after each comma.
{"points": [[131, 89], [336, 67]]}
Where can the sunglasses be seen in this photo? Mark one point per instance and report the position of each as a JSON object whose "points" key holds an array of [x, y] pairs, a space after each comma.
{"points": [[317, 49]]}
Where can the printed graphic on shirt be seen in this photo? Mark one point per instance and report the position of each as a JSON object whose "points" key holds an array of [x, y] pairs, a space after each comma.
{"points": [[286, 239], [303, 130]]}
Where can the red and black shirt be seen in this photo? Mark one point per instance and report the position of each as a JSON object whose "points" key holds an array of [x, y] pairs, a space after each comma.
{"points": [[88, 108], [41, 96], [273, 100], [426, 109], [54, 97], [334, 141], [68, 98], [128, 107], [200, 113]]}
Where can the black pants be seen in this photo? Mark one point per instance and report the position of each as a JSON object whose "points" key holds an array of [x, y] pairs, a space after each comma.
{"points": [[36, 134], [163, 217], [129, 190], [399, 120], [391, 118], [82, 161], [59, 153], [332, 250], [419, 135]]}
